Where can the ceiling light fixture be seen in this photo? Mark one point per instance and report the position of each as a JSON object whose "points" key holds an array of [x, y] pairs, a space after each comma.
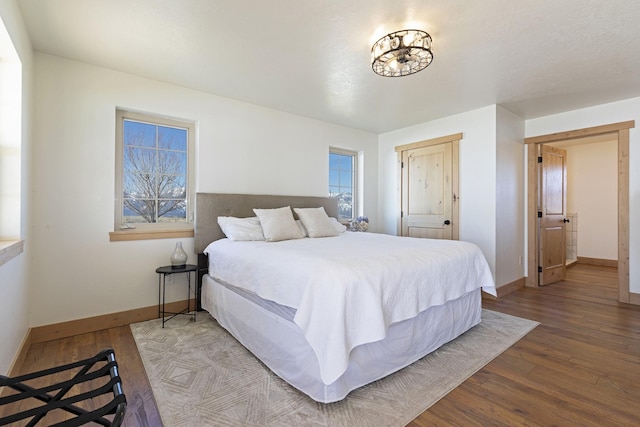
{"points": [[401, 53]]}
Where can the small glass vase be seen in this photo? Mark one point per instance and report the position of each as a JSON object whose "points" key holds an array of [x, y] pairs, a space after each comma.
{"points": [[178, 257]]}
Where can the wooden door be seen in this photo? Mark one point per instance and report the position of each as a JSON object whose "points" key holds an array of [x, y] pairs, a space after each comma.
{"points": [[427, 194], [552, 214]]}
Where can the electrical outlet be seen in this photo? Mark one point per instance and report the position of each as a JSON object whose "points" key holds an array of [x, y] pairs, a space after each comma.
{"points": [[169, 280], [520, 260]]}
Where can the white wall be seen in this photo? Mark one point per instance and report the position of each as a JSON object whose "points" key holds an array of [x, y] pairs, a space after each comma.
{"points": [[477, 174], [14, 274], [600, 115], [592, 193], [510, 184], [240, 148]]}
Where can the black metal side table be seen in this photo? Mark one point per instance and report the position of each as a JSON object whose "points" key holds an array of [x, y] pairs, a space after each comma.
{"points": [[168, 270]]}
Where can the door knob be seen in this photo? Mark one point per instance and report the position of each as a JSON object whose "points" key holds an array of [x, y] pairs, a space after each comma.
{"points": [[447, 222], [566, 220]]}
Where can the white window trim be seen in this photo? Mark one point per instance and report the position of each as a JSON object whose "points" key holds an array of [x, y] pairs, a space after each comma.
{"points": [[163, 230]]}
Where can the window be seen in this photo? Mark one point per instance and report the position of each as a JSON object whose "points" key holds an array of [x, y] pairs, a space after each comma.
{"points": [[154, 173], [11, 149], [342, 181]]}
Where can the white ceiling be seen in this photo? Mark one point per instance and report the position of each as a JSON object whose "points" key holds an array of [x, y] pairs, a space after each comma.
{"points": [[533, 57]]}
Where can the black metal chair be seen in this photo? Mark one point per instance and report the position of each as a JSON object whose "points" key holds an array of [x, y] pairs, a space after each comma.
{"points": [[88, 376]]}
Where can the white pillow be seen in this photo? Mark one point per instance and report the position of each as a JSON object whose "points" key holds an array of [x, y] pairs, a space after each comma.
{"points": [[278, 224], [316, 221], [241, 228], [340, 228]]}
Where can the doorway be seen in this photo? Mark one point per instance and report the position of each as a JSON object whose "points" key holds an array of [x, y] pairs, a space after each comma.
{"points": [[621, 133], [592, 199]]}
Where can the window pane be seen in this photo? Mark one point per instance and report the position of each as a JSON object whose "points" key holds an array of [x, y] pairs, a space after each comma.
{"points": [[139, 134], [334, 160], [345, 206], [172, 211], [139, 185], [334, 178], [172, 138], [139, 159], [139, 210], [345, 179], [172, 162], [172, 187], [345, 162]]}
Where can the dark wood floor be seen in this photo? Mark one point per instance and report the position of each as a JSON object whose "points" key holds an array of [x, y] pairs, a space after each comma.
{"points": [[141, 409], [580, 367]]}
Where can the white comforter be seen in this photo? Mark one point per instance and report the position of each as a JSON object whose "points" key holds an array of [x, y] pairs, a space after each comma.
{"points": [[348, 289]]}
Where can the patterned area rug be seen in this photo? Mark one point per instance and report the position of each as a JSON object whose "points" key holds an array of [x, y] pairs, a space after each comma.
{"points": [[201, 376]]}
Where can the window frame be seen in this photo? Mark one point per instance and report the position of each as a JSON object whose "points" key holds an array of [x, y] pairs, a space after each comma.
{"points": [[152, 230], [354, 180]]}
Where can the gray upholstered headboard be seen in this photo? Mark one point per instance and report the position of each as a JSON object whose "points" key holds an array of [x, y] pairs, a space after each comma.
{"points": [[209, 206]]}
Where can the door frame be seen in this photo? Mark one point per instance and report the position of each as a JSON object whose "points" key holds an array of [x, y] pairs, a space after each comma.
{"points": [[455, 168], [621, 132]]}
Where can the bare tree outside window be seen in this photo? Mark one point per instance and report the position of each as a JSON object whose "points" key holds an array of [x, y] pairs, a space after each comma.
{"points": [[154, 173]]}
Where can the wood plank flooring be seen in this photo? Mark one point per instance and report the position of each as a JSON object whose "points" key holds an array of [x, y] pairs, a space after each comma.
{"points": [[580, 367], [141, 409]]}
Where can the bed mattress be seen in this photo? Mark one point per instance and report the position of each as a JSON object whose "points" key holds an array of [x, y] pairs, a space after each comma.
{"points": [[268, 330], [347, 290]]}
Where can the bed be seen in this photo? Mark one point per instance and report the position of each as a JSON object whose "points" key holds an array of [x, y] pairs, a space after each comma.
{"points": [[331, 314]]}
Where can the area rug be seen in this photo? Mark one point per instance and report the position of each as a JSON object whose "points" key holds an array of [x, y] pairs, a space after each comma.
{"points": [[201, 376]]}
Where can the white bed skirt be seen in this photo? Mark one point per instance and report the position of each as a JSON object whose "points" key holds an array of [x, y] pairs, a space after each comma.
{"points": [[267, 330]]}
